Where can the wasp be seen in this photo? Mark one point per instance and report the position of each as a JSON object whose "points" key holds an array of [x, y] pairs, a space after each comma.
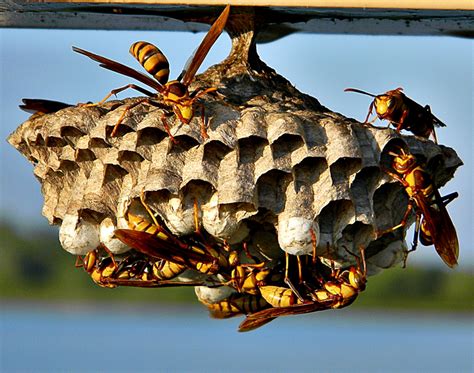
{"points": [[337, 290], [100, 269], [433, 225], [135, 269], [175, 93], [38, 106], [402, 112]]}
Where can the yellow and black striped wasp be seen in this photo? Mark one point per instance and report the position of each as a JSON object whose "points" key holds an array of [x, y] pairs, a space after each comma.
{"points": [[402, 112], [175, 93], [337, 289], [154, 241], [433, 224], [132, 269]]}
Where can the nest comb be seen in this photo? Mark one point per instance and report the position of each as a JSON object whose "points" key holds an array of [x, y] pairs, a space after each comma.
{"points": [[276, 167]]}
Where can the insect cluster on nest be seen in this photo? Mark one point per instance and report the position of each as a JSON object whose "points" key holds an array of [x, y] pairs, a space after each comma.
{"points": [[274, 206]]}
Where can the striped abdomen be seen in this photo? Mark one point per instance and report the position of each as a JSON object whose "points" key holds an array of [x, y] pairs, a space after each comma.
{"points": [[278, 296], [152, 59], [236, 304], [140, 224]]}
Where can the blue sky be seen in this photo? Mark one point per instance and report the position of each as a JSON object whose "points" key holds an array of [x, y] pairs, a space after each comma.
{"points": [[433, 70]]}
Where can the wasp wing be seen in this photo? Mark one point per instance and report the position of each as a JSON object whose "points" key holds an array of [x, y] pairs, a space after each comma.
{"points": [[195, 61], [257, 319], [441, 228], [121, 69], [151, 283], [423, 112], [39, 105], [158, 248], [436, 121]]}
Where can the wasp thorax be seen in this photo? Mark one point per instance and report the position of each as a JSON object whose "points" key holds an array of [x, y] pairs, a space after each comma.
{"points": [[177, 89]]}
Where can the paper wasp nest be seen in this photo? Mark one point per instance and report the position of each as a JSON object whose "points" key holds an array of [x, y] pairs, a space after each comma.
{"points": [[276, 168]]}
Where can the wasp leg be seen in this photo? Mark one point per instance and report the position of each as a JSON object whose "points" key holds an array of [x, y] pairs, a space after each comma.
{"points": [[118, 90], [300, 270], [288, 281], [194, 96], [247, 252], [370, 123], [79, 261], [167, 128], [200, 92], [203, 122], [197, 229], [126, 110], [402, 223], [371, 108], [163, 117], [433, 132], [396, 177], [414, 244], [314, 243], [111, 254], [147, 208], [402, 121], [449, 198]]}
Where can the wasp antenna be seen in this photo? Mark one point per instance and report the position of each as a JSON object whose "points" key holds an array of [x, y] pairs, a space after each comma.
{"points": [[362, 257], [350, 252], [359, 91], [393, 154]]}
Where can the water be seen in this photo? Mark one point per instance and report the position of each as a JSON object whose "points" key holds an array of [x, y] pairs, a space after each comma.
{"points": [[116, 338]]}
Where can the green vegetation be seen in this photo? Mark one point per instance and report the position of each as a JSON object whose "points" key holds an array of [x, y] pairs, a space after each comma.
{"points": [[419, 288], [34, 267]]}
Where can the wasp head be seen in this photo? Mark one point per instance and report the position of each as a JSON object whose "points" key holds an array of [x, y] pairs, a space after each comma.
{"points": [[402, 163], [357, 278], [89, 261], [383, 104]]}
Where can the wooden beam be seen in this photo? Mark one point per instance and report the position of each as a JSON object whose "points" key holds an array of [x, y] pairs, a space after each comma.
{"points": [[278, 17], [361, 4]]}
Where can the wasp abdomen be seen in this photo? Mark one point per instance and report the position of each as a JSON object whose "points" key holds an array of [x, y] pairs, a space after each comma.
{"points": [[152, 59]]}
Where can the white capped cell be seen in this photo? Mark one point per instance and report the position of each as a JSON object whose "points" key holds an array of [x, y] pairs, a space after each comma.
{"points": [[295, 235], [78, 236]]}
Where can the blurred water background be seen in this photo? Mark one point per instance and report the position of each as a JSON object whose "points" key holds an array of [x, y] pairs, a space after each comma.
{"points": [[53, 318], [121, 338]]}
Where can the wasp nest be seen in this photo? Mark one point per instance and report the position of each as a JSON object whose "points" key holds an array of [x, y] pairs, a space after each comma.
{"points": [[276, 168]]}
